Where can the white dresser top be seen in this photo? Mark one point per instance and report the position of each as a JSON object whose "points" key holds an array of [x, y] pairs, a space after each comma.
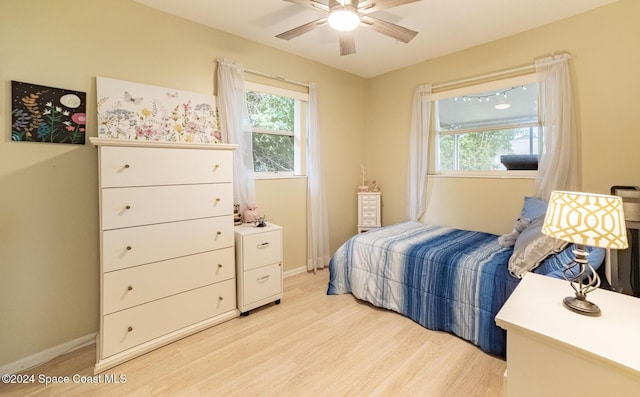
{"points": [[95, 141], [536, 307]]}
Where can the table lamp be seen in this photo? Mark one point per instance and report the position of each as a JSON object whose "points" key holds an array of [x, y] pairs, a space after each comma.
{"points": [[585, 219]]}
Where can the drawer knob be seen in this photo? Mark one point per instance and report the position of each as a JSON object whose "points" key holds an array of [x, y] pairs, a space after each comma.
{"points": [[130, 329], [127, 207], [127, 166], [129, 248], [215, 167], [220, 298], [218, 199], [219, 265], [264, 245], [218, 232], [129, 288]]}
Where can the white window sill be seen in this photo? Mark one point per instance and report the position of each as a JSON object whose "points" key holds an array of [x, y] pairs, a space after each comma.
{"points": [[264, 176], [487, 174]]}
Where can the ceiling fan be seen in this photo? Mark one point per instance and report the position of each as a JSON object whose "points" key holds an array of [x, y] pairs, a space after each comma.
{"points": [[346, 15]]}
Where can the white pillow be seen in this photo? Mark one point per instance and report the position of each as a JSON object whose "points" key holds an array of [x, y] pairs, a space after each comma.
{"points": [[532, 247]]}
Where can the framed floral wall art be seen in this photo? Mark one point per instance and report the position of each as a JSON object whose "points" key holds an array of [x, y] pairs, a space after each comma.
{"points": [[128, 110], [47, 114]]}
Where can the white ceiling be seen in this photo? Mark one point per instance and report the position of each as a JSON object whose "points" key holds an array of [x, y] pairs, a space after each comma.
{"points": [[444, 26]]}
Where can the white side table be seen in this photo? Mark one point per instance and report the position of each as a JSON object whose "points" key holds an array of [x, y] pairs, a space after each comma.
{"points": [[258, 265], [552, 351], [369, 211]]}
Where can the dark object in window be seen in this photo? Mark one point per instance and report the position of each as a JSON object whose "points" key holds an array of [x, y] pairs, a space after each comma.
{"points": [[520, 161]]}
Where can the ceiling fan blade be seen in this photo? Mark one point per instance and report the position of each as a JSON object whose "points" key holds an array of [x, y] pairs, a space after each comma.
{"points": [[367, 6], [389, 29], [307, 27], [310, 3], [347, 43]]}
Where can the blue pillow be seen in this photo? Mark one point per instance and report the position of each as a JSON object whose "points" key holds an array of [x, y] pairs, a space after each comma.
{"points": [[555, 264], [534, 207]]}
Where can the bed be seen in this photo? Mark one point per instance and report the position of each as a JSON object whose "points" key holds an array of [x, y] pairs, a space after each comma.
{"points": [[443, 278]]}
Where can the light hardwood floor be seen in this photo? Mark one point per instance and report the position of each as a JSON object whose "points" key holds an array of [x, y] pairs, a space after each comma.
{"points": [[309, 345]]}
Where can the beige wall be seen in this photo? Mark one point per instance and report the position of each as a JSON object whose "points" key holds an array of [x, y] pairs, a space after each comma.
{"points": [[48, 202], [284, 202], [606, 86]]}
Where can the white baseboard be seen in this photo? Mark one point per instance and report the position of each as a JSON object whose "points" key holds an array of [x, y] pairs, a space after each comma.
{"points": [[293, 272], [47, 355]]}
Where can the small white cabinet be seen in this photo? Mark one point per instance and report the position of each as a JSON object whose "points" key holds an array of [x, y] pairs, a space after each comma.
{"points": [[369, 211], [258, 265]]}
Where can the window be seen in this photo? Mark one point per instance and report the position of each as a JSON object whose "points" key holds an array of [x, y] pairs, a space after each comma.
{"points": [[277, 123], [476, 125]]}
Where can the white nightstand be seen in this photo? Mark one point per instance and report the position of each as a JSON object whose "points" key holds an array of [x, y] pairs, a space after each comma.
{"points": [[552, 351], [369, 211], [258, 265]]}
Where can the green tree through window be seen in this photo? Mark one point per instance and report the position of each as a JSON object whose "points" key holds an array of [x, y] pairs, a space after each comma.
{"points": [[273, 122], [480, 150]]}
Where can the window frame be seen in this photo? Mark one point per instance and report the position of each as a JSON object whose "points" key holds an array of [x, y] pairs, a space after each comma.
{"points": [[468, 91], [301, 101]]}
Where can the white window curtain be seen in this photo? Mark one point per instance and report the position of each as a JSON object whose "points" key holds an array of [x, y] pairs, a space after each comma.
{"points": [[557, 165], [418, 153], [318, 253], [236, 129]]}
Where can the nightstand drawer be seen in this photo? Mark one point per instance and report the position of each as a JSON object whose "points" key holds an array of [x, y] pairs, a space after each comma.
{"points": [[135, 206], [141, 284], [262, 249], [262, 283], [135, 166]]}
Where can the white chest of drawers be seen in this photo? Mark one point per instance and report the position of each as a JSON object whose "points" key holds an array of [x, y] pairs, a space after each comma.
{"points": [[167, 263], [369, 211], [259, 265]]}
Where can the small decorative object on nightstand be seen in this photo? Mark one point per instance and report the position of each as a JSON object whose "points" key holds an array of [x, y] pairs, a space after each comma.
{"points": [[363, 179], [237, 216], [258, 265], [585, 219], [251, 213], [375, 187], [369, 211], [260, 221]]}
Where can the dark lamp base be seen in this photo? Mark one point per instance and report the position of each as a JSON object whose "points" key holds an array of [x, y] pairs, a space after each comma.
{"points": [[581, 306]]}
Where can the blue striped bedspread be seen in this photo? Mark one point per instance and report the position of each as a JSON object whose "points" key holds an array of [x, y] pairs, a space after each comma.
{"points": [[443, 278]]}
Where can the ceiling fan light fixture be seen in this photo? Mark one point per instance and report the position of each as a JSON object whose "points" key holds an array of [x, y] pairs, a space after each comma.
{"points": [[344, 20]]}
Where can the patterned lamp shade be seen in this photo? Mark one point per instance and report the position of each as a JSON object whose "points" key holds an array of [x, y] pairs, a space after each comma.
{"points": [[589, 219]]}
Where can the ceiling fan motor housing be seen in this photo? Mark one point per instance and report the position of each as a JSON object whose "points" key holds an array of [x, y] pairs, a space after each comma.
{"points": [[344, 17]]}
